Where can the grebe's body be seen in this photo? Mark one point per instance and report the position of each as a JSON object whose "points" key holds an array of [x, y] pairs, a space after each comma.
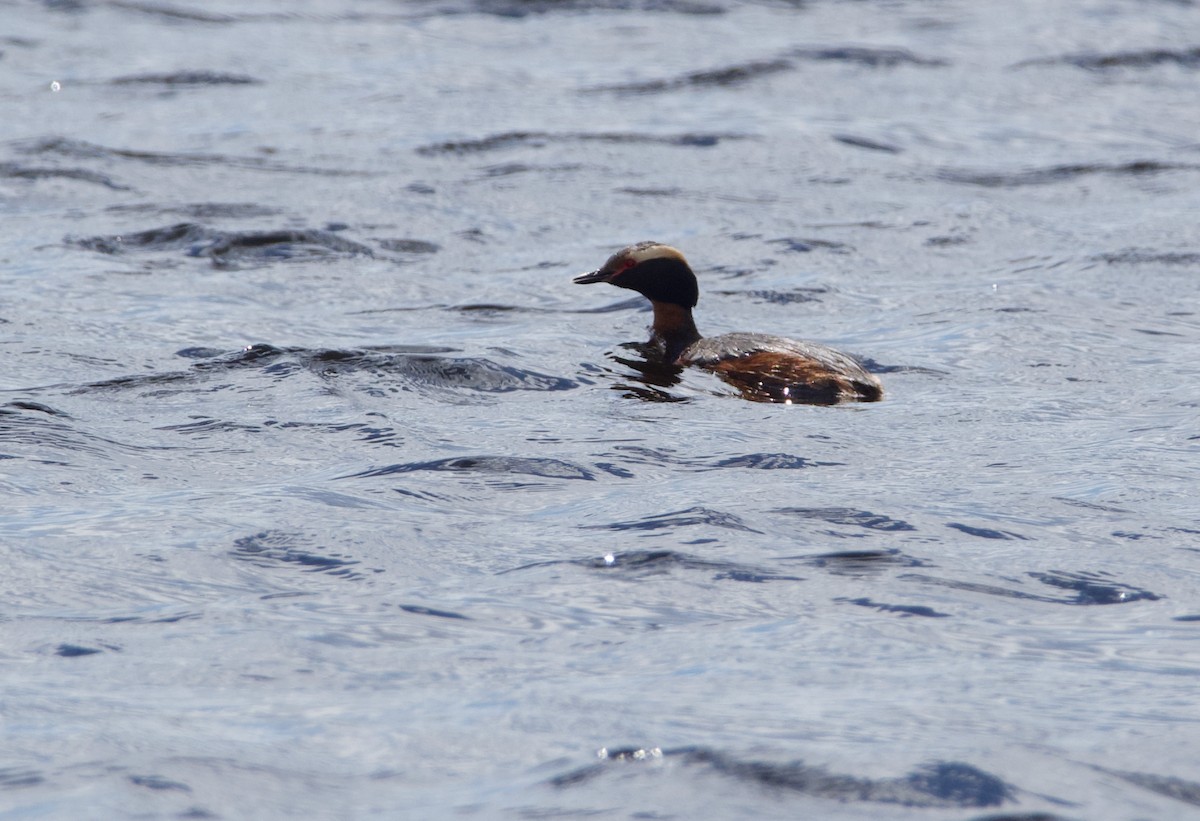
{"points": [[762, 367]]}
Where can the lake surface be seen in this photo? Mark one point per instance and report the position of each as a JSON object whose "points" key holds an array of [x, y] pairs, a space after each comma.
{"points": [[326, 495]]}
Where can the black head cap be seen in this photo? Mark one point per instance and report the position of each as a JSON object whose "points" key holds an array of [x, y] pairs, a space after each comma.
{"points": [[658, 272]]}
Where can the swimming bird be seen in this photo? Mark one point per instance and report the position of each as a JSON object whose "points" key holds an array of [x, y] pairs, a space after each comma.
{"points": [[762, 367]]}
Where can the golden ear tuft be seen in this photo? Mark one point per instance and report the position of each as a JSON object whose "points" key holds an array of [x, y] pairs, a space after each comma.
{"points": [[645, 251]]}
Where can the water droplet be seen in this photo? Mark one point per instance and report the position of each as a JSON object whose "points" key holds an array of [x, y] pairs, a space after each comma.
{"points": [[56, 86]]}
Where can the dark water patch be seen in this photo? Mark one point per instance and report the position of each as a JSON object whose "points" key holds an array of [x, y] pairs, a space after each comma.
{"points": [[977, 587], [940, 784], [26, 172], [902, 609], [540, 139], [742, 73], [412, 365], [383, 436], [172, 12], [502, 465], [848, 516], [1133, 537], [614, 470], [639, 455], [409, 246], [986, 533], [13, 777], [1061, 173], [186, 78], [805, 245], [690, 517], [1180, 789], [172, 237], [1024, 816], [228, 249], [867, 143], [726, 76], [771, 461], [495, 308], [653, 562], [1142, 256], [639, 563], [171, 618], [199, 353], [37, 407], [81, 149], [158, 782], [45, 431], [1094, 588], [1088, 589], [650, 192], [378, 371], [200, 210], [1187, 618], [421, 610], [947, 241], [858, 562], [513, 168], [1142, 58], [867, 56], [278, 549], [525, 8], [203, 426], [70, 651], [704, 195], [795, 296], [1090, 505], [477, 375]]}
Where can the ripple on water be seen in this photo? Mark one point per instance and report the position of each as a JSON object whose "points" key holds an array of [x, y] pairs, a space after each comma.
{"points": [[275, 549], [377, 372], [1084, 589], [864, 519], [642, 563], [641, 455], [940, 784], [14, 170], [515, 139], [502, 465], [1142, 58], [691, 517], [175, 79], [1062, 173], [230, 249], [81, 149]]}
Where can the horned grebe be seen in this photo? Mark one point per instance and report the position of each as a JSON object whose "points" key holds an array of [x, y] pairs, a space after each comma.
{"points": [[762, 367]]}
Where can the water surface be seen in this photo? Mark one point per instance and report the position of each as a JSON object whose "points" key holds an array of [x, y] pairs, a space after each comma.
{"points": [[327, 495]]}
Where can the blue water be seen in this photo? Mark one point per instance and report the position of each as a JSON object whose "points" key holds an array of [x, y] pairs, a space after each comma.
{"points": [[326, 494]]}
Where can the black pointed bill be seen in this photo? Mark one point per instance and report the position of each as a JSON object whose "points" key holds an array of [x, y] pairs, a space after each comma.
{"points": [[593, 276]]}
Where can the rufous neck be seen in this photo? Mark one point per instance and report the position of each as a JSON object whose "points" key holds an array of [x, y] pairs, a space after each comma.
{"points": [[673, 328]]}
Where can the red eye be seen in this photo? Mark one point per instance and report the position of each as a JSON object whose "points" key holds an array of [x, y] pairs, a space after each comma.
{"points": [[629, 263]]}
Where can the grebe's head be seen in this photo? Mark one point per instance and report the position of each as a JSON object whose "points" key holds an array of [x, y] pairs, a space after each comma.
{"points": [[656, 271]]}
